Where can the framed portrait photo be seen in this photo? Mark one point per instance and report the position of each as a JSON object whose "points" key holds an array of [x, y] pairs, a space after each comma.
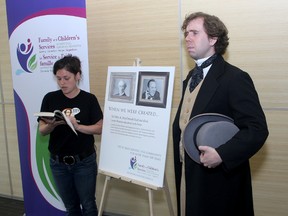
{"points": [[152, 89], [122, 87]]}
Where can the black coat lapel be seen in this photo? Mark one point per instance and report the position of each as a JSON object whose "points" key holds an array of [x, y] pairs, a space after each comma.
{"points": [[209, 86]]}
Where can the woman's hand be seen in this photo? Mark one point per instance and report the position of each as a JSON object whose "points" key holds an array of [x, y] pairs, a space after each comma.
{"points": [[47, 125], [74, 121], [87, 129]]}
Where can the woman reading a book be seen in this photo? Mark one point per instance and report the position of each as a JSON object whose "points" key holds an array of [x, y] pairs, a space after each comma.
{"points": [[73, 157]]}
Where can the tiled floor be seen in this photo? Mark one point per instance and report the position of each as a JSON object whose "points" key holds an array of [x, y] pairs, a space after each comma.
{"points": [[11, 207]]}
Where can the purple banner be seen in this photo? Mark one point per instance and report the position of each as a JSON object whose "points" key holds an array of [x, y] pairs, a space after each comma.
{"points": [[18, 11], [41, 31]]}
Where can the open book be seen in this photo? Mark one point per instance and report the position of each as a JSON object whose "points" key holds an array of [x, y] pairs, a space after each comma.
{"points": [[58, 115]]}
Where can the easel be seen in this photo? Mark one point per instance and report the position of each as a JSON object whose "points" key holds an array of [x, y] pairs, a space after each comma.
{"points": [[149, 188]]}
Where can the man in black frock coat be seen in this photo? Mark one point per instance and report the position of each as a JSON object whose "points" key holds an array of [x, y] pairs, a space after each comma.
{"points": [[221, 184]]}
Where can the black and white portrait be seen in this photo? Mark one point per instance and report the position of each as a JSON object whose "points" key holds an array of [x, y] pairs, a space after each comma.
{"points": [[122, 87], [152, 89]]}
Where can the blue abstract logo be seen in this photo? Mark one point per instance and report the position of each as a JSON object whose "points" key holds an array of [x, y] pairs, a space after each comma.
{"points": [[133, 163], [25, 56]]}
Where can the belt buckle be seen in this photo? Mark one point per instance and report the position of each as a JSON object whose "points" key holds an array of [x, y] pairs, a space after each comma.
{"points": [[69, 160]]}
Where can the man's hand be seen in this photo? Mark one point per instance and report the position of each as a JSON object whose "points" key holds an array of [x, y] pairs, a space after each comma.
{"points": [[209, 157]]}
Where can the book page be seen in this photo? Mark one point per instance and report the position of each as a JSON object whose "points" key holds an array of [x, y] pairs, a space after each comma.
{"points": [[58, 115]]}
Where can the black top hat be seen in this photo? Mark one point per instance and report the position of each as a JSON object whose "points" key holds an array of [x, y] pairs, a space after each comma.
{"points": [[208, 129]]}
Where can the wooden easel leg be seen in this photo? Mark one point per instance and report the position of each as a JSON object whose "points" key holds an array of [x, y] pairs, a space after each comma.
{"points": [[100, 210], [150, 195], [169, 201]]}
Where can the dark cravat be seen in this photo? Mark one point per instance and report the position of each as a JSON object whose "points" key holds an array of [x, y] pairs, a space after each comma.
{"points": [[197, 74]]}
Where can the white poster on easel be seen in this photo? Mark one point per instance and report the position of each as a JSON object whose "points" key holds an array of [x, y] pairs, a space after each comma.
{"points": [[136, 124]]}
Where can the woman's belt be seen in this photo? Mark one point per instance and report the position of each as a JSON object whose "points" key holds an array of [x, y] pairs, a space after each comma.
{"points": [[71, 159]]}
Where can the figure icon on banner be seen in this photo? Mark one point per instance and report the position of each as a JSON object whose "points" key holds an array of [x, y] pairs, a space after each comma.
{"points": [[24, 55], [151, 92]]}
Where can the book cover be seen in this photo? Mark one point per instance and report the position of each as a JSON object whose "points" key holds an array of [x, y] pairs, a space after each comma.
{"points": [[58, 115]]}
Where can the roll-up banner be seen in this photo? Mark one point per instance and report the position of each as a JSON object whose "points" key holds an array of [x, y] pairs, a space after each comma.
{"points": [[41, 32]]}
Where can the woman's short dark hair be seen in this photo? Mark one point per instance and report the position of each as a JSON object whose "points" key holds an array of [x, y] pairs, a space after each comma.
{"points": [[214, 27], [70, 63]]}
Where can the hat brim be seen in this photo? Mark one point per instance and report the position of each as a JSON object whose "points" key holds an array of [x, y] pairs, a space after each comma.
{"points": [[212, 139]]}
